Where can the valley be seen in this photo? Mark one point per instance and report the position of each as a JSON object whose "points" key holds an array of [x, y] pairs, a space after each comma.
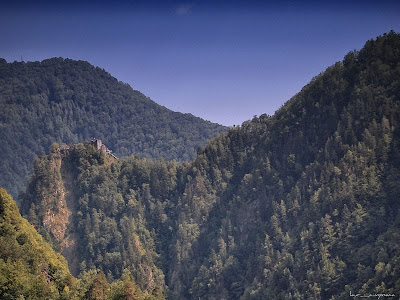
{"points": [[302, 204]]}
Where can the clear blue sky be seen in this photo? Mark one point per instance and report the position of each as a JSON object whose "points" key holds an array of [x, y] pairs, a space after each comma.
{"points": [[224, 61]]}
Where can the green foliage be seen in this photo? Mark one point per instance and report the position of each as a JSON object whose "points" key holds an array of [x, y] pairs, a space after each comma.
{"points": [[300, 205], [62, 100], [307, 195], [29, 268], [118, 209]]}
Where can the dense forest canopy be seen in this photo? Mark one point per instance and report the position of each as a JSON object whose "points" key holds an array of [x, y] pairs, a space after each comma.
{"points": [[303, 204], [30, 269], [28, 265], [62, 100]]}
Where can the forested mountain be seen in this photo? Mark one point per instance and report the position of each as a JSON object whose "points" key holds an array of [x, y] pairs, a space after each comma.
{"points": [[28, 265], [62, 100], [300, 205], [30, 269]]}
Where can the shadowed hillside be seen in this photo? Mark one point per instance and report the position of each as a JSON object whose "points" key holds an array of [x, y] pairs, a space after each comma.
{"points": [[300, 205], [62, 100]]}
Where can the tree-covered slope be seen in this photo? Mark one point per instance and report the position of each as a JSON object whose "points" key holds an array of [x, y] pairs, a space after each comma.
{"points": [[62, 100], [300, 205], [94, 210], [306, 201], [29, 268]]}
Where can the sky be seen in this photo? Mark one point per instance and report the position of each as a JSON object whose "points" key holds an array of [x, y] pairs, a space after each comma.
{"points": [[224, 61]]}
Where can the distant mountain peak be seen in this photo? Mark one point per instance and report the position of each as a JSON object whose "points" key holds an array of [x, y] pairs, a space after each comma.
{"points": [[68, 101]]}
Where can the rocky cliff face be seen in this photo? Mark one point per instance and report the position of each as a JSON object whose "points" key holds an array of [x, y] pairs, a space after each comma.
{"points": [[99, 212], [57, 205]]}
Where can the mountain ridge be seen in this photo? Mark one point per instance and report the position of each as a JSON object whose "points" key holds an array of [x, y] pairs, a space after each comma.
{"points": [[302, 204], [67, 101]]}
